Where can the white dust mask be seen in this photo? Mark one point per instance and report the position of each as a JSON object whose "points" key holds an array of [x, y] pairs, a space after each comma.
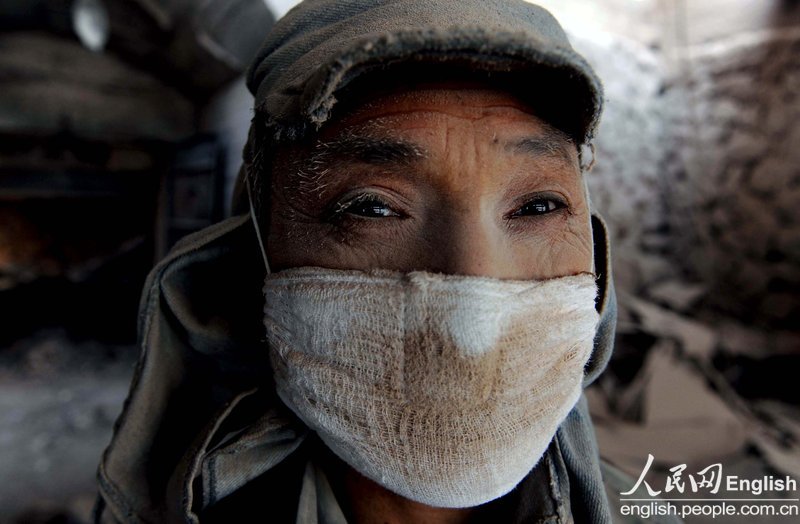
{"points": [[446, 390]]}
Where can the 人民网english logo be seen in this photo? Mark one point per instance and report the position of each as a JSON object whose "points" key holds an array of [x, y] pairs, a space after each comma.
{"points": [[708, 492]]}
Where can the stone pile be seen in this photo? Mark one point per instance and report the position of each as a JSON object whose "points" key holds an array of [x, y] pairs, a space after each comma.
{"points": [[697, 171], [733, 188]]}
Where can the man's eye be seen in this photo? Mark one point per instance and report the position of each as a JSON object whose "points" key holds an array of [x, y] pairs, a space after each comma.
{"points": [[538, 206], [368, 206]]}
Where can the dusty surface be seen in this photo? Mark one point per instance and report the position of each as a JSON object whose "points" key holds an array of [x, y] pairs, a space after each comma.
{"points": [[58, 402]]}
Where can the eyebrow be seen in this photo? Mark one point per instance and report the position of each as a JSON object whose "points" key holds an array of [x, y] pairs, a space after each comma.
{"points": [[552, 143], [367, 149], [310, 174]]}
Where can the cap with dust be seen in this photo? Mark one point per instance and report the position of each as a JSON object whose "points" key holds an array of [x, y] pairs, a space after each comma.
{"points": [[321, 46]]}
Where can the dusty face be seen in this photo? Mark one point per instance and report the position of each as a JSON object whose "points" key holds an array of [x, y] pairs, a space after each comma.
{"points": [[452, 179]]}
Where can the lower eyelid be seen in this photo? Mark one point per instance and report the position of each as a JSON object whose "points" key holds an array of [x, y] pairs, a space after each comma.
{"points": [[538, 224]]}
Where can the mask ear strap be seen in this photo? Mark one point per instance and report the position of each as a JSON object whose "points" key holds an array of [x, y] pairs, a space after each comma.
{"points": [[255, 223]]}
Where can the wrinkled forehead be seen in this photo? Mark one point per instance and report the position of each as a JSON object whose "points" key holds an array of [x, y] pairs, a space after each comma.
{"points": [[398, 124], [470, 99], [424, 87]]}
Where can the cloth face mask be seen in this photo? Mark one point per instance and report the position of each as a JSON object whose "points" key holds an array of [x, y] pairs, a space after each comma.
{"points": [[444, 389]]}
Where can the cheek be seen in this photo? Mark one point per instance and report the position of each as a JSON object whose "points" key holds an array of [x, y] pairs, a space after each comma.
{"points": [[297, 239], [557, 250], [293, 233]]}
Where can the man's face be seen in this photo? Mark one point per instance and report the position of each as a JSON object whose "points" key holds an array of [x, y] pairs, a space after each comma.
{"points": [[452, 178]]}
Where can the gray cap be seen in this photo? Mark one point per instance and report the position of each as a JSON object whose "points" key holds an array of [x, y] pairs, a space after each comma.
{"points": [[321, 46]]}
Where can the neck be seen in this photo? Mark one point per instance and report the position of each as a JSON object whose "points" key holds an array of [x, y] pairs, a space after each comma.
{"points": [[364, 501], [367, 501]]}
